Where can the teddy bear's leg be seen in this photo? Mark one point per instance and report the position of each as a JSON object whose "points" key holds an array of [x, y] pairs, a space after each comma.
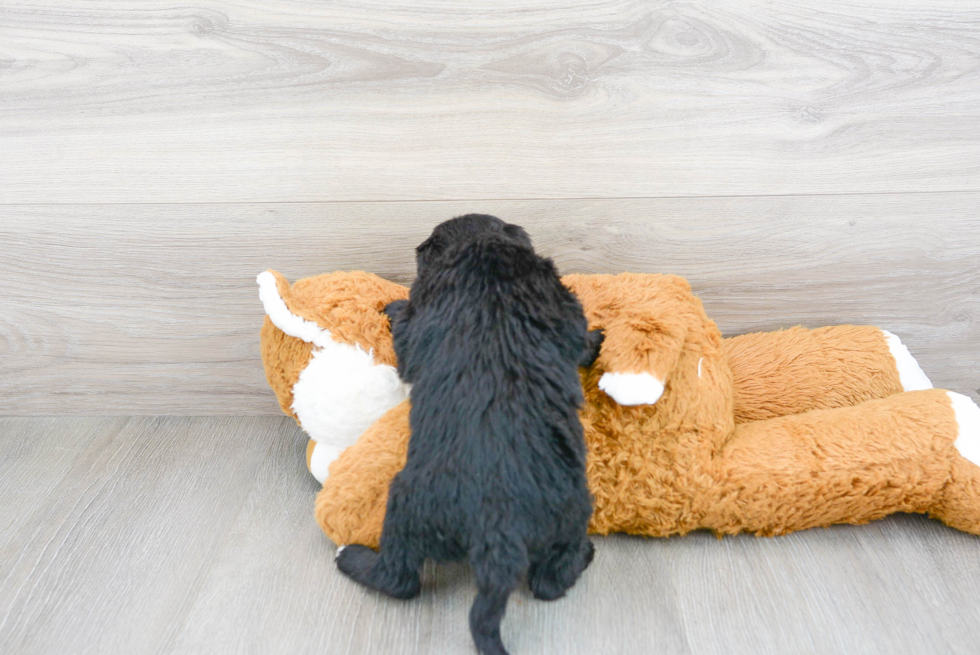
{"points": [[351, 506], [903, 453], [796, 370], [552, 576], [959, 505]]}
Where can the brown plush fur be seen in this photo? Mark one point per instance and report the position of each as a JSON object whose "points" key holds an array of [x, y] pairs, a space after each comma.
{"points": [[843, 465], [796, 370], [780, 431], [284, 358], [359, 484]]}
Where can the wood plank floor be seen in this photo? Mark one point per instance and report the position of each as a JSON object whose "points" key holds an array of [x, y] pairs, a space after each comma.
{"points": [[195, 535]]}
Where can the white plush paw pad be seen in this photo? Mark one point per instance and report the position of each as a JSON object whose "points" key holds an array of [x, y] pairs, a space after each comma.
{"points": [[909, 372], [320, 460], [968, 418], [632, 388]]}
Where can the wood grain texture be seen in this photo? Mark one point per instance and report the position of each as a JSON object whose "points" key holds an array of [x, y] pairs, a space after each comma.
{"points": [[189, 535], [25, 444], [222, 101], [153, 309], [112, 557]]}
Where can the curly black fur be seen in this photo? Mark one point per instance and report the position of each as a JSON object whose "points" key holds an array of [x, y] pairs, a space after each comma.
{"points": [[491, 341]]}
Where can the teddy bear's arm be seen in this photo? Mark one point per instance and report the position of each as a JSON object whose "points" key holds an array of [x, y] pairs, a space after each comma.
{"points": [[638, 354], [645, 319]]}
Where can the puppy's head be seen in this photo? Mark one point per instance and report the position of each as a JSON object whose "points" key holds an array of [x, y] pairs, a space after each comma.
{"points": [[451, 237]]}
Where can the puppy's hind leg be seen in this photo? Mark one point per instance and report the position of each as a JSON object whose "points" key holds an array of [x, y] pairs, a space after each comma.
{"points": [[374, 570], [551, 577], [394, 570], [498, 567]]}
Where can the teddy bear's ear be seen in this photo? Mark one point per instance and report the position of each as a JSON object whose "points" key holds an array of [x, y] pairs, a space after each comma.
{"points": [[275, 294]]}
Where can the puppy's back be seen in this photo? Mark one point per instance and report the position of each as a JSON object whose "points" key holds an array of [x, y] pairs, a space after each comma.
{"points": [[495, 347], [491, 341]]}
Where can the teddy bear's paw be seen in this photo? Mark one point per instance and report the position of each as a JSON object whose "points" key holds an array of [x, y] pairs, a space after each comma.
{"points": [[632, 388], [910, 374], [968, 420]]}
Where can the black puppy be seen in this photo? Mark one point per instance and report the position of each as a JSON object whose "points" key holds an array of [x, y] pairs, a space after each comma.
{"points": [[491, 341]]}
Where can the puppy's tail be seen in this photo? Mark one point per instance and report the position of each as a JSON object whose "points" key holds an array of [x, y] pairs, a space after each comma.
{"points": [[498, 566]]}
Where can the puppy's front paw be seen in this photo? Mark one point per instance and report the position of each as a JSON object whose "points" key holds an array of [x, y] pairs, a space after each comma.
{"points": [[589, 554], [593, 344], [393, 309], [632, 388]]}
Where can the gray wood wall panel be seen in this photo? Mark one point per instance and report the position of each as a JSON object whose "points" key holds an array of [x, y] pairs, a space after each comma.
{"points": [[153, 309], [222, 101], [189, 535]]}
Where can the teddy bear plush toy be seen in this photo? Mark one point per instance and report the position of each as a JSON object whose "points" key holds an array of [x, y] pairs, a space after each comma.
{"points": [[765, 433]]}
